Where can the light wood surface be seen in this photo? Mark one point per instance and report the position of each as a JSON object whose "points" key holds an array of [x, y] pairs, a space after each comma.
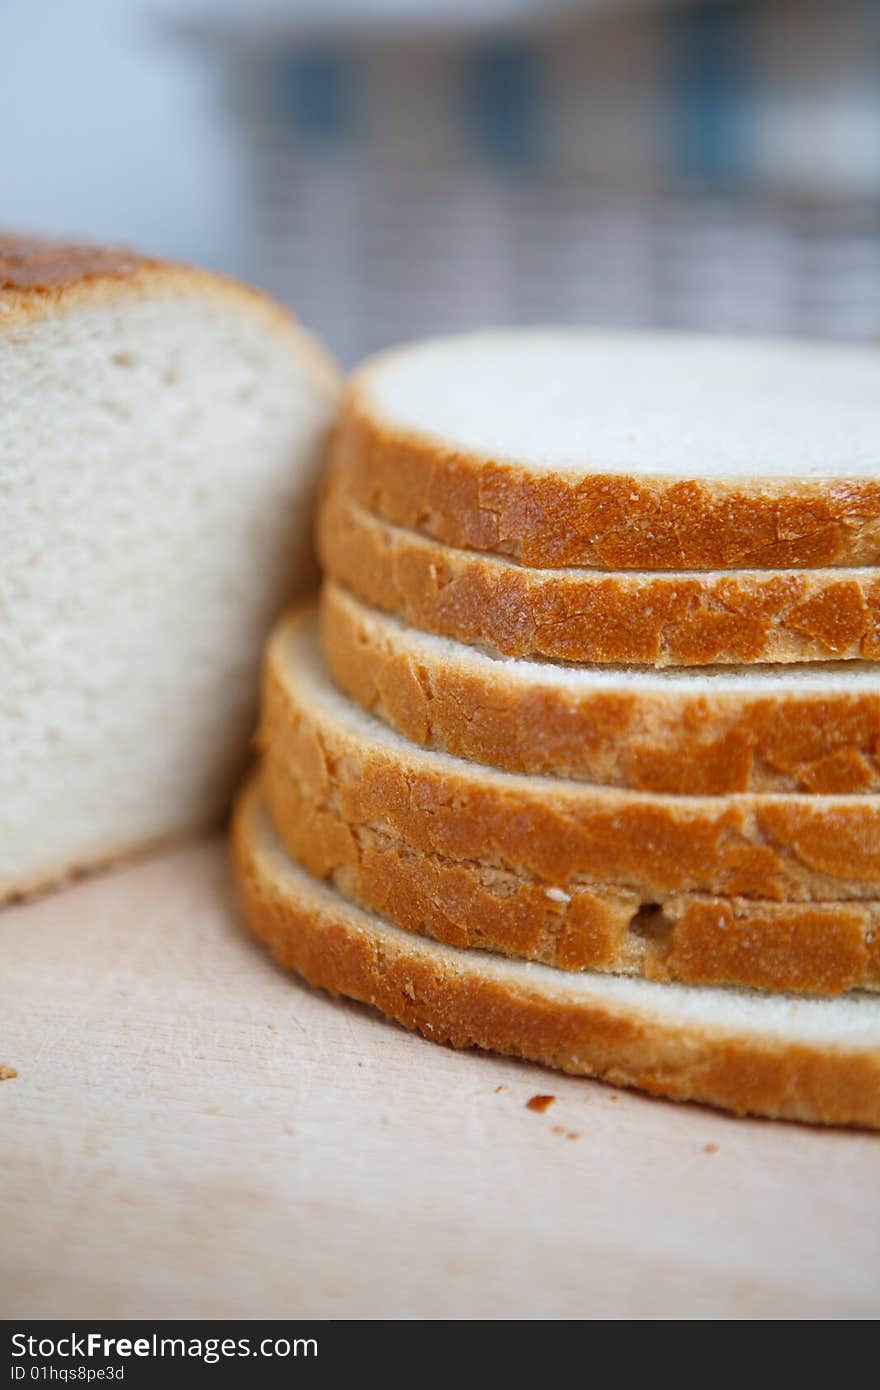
{"points": [[193, 1133]]}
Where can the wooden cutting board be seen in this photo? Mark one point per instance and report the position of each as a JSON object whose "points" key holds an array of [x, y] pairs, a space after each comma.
{"points": [[193, 1133]]}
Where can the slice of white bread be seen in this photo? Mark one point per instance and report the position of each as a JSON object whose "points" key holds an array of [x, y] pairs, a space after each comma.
{"points": [[725, 729], [648, 451], [161, 431], [764, 845], [799, 1059], [695, 619], [799, 947]]}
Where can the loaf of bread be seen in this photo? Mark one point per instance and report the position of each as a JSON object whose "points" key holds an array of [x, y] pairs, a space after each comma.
{"points": [[161, 432], [622, 451], [804, 1059]]}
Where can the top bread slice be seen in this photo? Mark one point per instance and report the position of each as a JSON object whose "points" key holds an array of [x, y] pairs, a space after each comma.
{"points": [[161, 433], [621, 451]]}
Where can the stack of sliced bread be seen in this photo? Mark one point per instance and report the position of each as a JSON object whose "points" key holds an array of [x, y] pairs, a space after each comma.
{"points": [[578, 758]]}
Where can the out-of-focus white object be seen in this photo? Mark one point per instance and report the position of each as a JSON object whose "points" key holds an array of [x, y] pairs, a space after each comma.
{"points": [[421, 168]]}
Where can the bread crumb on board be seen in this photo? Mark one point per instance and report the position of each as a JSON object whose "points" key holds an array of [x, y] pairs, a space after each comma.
{"points": [[710, 1149], [540, 1103], [7, 1073]]}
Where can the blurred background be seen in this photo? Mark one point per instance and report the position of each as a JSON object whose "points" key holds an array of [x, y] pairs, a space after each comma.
{"points": [[399, 167]]}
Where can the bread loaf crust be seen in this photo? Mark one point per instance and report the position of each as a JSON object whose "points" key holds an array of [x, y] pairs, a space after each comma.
{"points": [[450, 1000], [606, 521], [31, 265], [41, 277], [584, 615], [804, 948], [804, 848], [705, 743]]}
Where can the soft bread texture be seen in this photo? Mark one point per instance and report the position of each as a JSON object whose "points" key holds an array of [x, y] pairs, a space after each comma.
{"points": [[801, 1059], [804, 948], [623, 451], [780, 847], [734, 729], [162, 431], [588, 616]]}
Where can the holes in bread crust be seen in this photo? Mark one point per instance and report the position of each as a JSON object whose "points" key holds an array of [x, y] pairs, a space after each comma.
{"points": [[651, 924]]}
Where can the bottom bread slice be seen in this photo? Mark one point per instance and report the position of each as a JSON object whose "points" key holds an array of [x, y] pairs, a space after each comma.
{"points": [[794, 1058]]}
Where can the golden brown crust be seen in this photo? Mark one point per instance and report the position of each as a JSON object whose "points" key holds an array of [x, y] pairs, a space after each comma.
{"points": [[801, 848], [699, 744], [37, 265], [800, 948], [605, 521], [451, 1000], [583, 615], [40, 277]]}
